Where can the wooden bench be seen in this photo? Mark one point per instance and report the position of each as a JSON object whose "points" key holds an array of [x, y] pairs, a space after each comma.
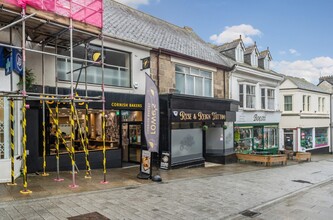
{"points": [[266, 159], [303, 156]]}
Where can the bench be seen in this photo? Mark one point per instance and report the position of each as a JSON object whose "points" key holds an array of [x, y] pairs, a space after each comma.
{"points": [[303, 156], [266, 159]]}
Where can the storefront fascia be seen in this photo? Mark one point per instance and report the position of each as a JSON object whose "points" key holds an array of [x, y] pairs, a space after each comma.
{"points": [[122, 104], [196, 129], [257, 131]]}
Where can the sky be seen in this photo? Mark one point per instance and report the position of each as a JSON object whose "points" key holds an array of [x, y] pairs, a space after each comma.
{"points": [[298, 33]]}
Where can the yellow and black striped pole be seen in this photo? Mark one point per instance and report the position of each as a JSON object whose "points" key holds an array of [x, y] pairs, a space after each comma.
{"points": [[44, 142], [24, 143], [73, 185], [104, 149], [83, 143], [56, 124], [12, 144], [88, 170]]}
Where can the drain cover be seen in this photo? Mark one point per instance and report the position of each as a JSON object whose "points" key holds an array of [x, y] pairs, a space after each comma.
{"points": [[89, 216], [302, 181], [249, 213]]}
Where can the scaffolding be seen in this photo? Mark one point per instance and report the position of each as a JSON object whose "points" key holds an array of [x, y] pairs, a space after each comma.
{"points": [[50, 30]]}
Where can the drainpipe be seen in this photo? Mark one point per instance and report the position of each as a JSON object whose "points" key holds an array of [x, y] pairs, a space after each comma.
{"points": [[234, 67], [158, 70]]}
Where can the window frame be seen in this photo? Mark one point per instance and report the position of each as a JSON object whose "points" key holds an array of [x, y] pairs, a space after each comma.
{"points": [[289, 104], [201, 74], [106, 66]]}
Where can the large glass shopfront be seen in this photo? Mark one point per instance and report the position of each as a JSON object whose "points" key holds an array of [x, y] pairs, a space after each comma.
{"points": [[314, 138], [129, 137], [256, 138]]}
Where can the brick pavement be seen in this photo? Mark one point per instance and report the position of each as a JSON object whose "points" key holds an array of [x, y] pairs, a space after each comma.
{"points": [[206, 197]]}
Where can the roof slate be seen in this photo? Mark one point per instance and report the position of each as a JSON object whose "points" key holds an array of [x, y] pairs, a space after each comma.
{"points": [[303, 84], [328, 79], [228, 46], [126, 23]]}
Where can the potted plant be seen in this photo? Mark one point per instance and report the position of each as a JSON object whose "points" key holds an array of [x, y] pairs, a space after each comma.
{"points": [[29, 80]]}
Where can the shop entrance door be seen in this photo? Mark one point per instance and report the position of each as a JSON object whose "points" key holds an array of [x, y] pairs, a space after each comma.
{"points": [[288, 139], [131, 141]]}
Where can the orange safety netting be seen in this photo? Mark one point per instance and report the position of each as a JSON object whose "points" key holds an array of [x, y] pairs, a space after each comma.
{"points": [[87, 11]]}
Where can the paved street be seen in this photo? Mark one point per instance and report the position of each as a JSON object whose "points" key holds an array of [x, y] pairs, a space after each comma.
{"points": [[206, 197]]}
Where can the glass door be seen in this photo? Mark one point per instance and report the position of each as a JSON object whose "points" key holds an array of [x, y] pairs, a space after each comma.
{"points": [[134, 137]]}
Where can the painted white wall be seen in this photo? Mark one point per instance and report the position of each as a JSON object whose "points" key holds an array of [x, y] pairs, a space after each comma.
{"points": [[34, 62]]}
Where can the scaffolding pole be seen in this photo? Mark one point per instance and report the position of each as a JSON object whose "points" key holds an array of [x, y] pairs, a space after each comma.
{"points": [[57, 179], [24, 120], [73, 185], [44, 126], [103, 115], [12, 143]]}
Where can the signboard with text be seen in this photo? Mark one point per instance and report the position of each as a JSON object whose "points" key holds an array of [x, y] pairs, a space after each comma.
{"points": [[196, 116]]}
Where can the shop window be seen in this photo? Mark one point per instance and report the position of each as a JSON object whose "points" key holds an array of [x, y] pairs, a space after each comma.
{"points": [[94, 125], [321, 137], [193, 81], [288, 103], [306, 138], [250, 96], [270, 137], [258, 137], [186, 145], [243, 139], [116, 67]]}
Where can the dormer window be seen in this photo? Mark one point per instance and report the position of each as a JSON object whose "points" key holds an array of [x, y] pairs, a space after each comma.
{"points": [[254, 59], [239, 54], [266, 63]]}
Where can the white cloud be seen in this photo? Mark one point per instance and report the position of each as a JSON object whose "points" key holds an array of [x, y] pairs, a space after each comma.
{"points": [[282, 52], [231, 33], [134, 3], [294, 52], [311, 70]]}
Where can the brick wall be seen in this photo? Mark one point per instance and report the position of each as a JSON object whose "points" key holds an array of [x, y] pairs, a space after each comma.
{"points": [[167, 75]]}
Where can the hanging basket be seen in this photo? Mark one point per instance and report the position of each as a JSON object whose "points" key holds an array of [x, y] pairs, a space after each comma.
{"points": [[205, 128]]}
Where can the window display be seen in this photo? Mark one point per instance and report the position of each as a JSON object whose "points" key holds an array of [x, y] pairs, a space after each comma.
{"points": [[94, 134], [321, 137], [306, 138], [243, 139], [256, 139]]}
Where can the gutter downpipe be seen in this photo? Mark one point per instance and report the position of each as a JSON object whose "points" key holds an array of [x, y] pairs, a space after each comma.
{"points": [[158, 70], [233, 69]]}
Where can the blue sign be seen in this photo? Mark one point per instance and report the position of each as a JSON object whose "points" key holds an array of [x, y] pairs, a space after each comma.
{"points": [[17, 62], [5, 60]]}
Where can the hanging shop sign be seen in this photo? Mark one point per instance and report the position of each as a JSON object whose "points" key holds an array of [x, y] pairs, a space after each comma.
{"points": [[145, 162], [145, 63], [152, 115], [17, 62], [165, 160], [193, 115]]}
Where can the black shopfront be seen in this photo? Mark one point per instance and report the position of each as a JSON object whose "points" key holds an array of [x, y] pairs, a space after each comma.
{"points": [[123, 131], [196, 129]]}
